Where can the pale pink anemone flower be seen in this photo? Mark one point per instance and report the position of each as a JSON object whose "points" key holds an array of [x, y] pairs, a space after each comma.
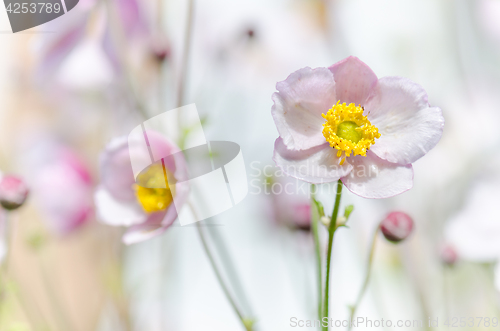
{"points": [[369, 142], [117, 200]]}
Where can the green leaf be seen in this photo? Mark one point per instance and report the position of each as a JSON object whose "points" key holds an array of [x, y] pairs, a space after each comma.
{"points": [[320, 208], [347, 212]]}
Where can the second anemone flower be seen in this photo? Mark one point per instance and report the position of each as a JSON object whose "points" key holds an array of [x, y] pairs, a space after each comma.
{"points": [[144, 204], [342, 122]]}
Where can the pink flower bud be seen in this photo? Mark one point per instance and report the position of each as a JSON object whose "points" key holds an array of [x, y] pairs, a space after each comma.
{"points": [[448, 254], [397, 226], [160, 48], [13, 192]]}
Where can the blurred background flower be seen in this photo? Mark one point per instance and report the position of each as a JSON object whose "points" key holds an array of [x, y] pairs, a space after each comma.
{"points": [[147, 207], [62, 186]]}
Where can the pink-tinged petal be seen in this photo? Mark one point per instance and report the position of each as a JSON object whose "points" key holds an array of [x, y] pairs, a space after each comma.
{"points": [[316, 165], [56, 47], [374, 178], [61, 186], [298, 105], [116, 170], [142, 232], [115, 212], [131, 17], [115, 200], [155, 225], [354, 80], [409, 127], [174, 160]]}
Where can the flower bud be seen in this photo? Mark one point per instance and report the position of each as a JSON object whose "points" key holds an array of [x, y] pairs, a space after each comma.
{"points": [[397, 226], [13, 192], [448, 255], [160, 48]]}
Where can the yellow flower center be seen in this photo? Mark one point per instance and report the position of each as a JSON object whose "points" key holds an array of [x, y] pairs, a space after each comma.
{"points": [[348, 131], [152, 189]]}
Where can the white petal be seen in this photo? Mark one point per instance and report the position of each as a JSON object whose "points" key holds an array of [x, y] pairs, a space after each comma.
{"points": [[374, 178], [409, 127], [298, 105], [116, 171], [142, 232], [151, 228], [317, 165], [113, 212]]}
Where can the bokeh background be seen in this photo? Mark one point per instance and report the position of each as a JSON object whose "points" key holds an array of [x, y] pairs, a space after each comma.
{"points": [[70, 86]]}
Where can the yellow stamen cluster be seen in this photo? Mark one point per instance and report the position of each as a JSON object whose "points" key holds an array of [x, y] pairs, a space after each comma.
{"points": [[348, 131], [152, 189]]}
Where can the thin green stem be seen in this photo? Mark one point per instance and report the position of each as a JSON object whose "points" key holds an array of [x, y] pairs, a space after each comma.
{"points": [[317, 248], [55, 301], [228, 265], [246, 322], [446, 281], [181, 85], [121, 43], [8, 241], [367, 278], [331, 232]]}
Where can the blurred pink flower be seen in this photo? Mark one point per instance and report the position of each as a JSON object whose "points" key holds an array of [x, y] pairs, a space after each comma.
{"points": [[118, 200], [13, 192], [320, 126], [73, 43], [291, 206], [62, 189]]}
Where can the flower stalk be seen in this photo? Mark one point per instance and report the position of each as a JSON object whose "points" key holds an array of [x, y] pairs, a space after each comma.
{"points": [[315, 215], [331, 233], [361, 293], [247, 322]]}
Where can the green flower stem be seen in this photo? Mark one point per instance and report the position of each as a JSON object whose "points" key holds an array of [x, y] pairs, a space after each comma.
{"points": [[228, 265], [317, 248], [331, 232], [52, 293], [8, 240], [181, 84], [247, 323], [368, 275]]}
